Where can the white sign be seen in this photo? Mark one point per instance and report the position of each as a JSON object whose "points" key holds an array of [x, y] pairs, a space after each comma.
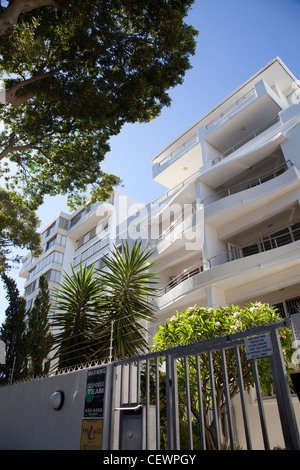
{"points": [[258, 346]]}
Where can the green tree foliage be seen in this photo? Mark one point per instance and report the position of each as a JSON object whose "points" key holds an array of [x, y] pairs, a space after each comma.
{"points": [[13, 333], [200, 324], [76, 317], [75, 71], [39, 338], [18, 228], [128, 286]]}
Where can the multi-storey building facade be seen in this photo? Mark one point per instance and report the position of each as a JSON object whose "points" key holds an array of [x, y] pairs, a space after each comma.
{"points": [[228, 228], [82, 237]]}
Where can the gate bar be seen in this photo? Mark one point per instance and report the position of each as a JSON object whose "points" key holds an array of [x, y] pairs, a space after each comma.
{"points": [[157, 403], [285, 406], [213, 398], [188, 403], [242, 396], [228, 401], [260, 405], [200, 401]]}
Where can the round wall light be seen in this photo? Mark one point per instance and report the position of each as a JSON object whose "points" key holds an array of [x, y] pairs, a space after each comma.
{"points": [[57, 400]]}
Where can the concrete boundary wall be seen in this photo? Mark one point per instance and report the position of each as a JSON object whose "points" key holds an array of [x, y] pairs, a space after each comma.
{"points": [[27, 420]]}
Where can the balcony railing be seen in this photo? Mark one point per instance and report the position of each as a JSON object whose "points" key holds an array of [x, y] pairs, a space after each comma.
{"points": [[176, 188], [242, 142], [250, 94], [179, 150], [83, 214], [250, 183], [283, 237], [187, 213], [186, 274]]}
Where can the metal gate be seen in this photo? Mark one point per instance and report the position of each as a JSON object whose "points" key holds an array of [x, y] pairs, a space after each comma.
{"points": [[182, 398]]}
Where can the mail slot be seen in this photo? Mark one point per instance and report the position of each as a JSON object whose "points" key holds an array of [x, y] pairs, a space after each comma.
{"points": [[133, 426]]}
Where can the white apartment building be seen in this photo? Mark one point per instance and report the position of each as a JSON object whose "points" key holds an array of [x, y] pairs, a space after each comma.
{"points": [[84, 236], [227, 231]]}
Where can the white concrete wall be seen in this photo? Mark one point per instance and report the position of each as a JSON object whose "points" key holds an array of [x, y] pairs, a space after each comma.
{"points": [[27, 421], [272, 417]]}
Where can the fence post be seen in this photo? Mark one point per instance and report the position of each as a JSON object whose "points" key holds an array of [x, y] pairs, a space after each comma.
{"points": [[107, 415], [172, 403], [287, 414], [295, 326]]}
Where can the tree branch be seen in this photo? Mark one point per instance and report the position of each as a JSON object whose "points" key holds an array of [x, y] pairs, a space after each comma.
{"points": [[10, 94], [10, 15], [17, 148]]}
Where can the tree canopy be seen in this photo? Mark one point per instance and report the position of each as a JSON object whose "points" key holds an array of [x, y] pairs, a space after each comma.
{"points": [[39, 338], [13, 333], [74, 72], [18, 227]]}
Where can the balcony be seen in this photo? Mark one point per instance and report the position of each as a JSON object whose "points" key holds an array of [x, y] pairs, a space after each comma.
{"points": [[245, 140], [282, 237], [241, 207], [91, 216], [177, 151], [175, 189], [245, 119], [245, 99], [179, 161], [229, 269], [248, 183], [183, 276]]}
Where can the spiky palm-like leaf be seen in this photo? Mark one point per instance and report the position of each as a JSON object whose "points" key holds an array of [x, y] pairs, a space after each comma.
{"points": [[76, 317], [128, 288]]}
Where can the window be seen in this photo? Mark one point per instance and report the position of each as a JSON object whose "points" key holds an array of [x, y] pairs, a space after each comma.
{"points": [[101, 263], [80, 215], [280, 309], [31, 288], [86, 238], [293, 305], [49, 230], [288, 307], [87, 253], [58, 239], [92, 233], [50, 243], [52, 275], [296, 231], [63, 223]]}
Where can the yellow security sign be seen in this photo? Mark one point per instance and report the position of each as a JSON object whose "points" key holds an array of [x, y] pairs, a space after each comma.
{"points": [[91, 434]]}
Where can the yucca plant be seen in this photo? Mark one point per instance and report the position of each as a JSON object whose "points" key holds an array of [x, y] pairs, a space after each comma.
{"points": [[128, 286], [76, 318]]}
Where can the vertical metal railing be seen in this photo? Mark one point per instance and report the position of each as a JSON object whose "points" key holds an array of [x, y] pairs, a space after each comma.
{"points": [[180, 402]]}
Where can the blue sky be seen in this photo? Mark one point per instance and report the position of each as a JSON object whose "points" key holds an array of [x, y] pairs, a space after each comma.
{"points": [[236, 39]]}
